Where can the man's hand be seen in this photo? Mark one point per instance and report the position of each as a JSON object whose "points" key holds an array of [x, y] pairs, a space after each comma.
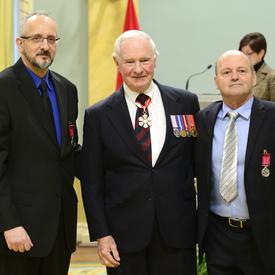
{"points": [[18, 239], [107, 251]]}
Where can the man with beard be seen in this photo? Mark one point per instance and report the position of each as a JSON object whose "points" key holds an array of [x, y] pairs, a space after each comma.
{"points": [[38, 148]]}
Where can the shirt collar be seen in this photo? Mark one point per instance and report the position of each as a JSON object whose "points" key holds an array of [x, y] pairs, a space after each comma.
{"points": [[37, 80], [244, 110], [133, 95]]}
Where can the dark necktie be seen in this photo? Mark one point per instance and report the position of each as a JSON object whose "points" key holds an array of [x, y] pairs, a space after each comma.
{"points": [[142, 129], [46, 99]]}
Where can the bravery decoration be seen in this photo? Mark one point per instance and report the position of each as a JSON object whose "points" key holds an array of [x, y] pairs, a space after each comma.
{"points": [[266, 158], [184, 125]]}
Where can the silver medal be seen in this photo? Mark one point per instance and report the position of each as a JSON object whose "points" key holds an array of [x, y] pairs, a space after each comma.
{"points": [[176, 132], [144, 121], [265, 172]]}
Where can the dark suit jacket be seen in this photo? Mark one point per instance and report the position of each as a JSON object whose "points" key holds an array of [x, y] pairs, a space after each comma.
{"points": [[260, 191], [122, 193], [36, 175]]}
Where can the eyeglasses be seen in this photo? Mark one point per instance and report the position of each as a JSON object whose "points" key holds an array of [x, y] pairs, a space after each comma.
{"points": [[38, 39], [249, 53]]}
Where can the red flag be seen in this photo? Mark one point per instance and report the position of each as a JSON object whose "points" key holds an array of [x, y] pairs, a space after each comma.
{"points": [[130, 23]]}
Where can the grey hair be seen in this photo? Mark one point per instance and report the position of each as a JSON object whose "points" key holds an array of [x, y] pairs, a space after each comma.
{"points": [[130, 34], [28, 16]]}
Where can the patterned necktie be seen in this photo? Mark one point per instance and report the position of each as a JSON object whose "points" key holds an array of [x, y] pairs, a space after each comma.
{"points": [[141, 131], [228, 182]]}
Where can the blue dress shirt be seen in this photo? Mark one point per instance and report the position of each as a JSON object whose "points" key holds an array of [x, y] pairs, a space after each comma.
{"points": [[237, 208], [52, 96]]}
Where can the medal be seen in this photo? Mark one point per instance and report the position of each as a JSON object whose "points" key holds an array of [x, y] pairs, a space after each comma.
{"points": [[177, 125], [185, 123], [72, 128], [266, 159], [194, 133], [176, 132], [144, 121], [183, 133], [265, 172], [191, 125]]}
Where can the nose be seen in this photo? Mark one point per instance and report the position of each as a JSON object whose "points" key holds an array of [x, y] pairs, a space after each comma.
{"points": [[45, 43], [138, 67], [235, 75]]}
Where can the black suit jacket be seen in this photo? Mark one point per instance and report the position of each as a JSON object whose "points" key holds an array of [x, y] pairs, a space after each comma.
{"points": [[260, 191], [36, 175], [121, 190]]}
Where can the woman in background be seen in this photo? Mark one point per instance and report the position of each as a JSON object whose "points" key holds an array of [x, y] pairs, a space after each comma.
{"points": [[254, 46]]}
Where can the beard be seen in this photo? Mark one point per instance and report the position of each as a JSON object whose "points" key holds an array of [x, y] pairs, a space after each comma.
{"points": [[38, 63]]}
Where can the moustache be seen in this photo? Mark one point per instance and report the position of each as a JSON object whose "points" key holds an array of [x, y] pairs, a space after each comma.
{"points": [[44, 53]]}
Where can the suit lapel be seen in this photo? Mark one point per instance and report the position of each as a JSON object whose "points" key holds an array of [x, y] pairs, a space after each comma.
{"points": [[209, 121], [29, 91], [210, 118], [61, 97], [171, 105], [120, 118], [256, 122]]}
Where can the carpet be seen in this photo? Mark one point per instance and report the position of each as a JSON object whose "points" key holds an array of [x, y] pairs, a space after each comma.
{"points": [[87, 269]]}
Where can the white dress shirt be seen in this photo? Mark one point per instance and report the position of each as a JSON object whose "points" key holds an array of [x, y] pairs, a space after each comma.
{"points": [[156, 114]]}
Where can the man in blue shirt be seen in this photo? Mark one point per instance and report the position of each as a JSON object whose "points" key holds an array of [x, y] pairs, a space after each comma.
{"points": [[38, 148], [235, 175]]}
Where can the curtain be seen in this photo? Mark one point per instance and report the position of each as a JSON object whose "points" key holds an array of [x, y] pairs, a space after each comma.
{"points": [[105, 24], [6, 33]]}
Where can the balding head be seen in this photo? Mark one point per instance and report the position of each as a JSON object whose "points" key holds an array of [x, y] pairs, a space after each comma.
{"points": [[232, 53], [31, 18], [235, 78]]}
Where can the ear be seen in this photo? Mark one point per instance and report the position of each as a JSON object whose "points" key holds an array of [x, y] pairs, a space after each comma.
{"points": [[19, 44], [261, 54], [116, 61], [216, 82], [155, 63]]}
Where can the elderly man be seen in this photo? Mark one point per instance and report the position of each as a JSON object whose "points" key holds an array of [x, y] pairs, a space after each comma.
{"points": [[38, 146], [137, 161], [235, 172]]}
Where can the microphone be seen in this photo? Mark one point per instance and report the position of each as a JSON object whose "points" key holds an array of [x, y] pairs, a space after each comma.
{"points": [[187, 81]]}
